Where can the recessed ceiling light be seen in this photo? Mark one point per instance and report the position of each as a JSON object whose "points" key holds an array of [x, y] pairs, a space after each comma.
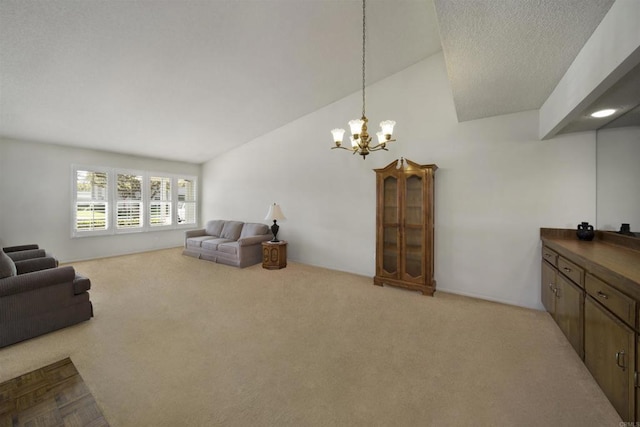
{"points": [[603, 113]]}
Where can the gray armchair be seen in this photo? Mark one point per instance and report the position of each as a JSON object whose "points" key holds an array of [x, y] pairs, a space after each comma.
{"points": [[37, 297]]}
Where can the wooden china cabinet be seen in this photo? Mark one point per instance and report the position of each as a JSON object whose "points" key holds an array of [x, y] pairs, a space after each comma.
{"points": [[404, 226]]}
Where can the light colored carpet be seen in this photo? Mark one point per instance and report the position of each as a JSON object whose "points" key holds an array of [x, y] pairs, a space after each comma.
{"points": [[177, 341]]}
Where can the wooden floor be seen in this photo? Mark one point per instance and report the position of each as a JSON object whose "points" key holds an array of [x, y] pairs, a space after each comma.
{"points": [[51, 396]]}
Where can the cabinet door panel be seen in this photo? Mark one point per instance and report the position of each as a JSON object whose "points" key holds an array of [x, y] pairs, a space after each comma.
{"points": [[569, 312], [413, 229], [609, 356], [548, 287], [391, 227]]}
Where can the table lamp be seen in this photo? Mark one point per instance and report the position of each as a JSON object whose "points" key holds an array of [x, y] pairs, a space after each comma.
{"points": [[275, 213]]}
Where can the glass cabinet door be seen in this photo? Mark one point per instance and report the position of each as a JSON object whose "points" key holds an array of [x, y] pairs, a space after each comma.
{"points": [[413, 235], [390, 226]]}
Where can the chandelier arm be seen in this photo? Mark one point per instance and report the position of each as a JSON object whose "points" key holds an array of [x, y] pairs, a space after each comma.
{"points": [[344, 148]]}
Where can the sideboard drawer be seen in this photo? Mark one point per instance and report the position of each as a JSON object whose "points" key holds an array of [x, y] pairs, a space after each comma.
{"points": [[550, 256], [571, 270], [617, 302]]}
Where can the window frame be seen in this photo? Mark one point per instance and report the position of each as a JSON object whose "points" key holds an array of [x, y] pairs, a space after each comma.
{"points": [[112, 200]]}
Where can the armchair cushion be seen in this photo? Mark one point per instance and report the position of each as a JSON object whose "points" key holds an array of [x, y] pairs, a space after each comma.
{"points": [[35, 264], [27, 254], [7, 266], [19, 248]]}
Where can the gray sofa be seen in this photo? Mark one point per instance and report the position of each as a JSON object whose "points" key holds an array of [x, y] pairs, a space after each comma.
{"points": [[37, 296], [228, 242]]}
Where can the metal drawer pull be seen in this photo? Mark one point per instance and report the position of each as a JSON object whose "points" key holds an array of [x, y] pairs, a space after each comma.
{"points": [[620, 355], [547, 255], [568, 270], [603, 295]]}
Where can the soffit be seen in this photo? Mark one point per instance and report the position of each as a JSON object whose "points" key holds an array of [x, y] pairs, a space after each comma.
{"points": [[507, 56]]}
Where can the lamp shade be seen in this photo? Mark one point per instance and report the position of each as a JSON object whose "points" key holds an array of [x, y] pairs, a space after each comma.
{"points": [[356, 126], [387, 126], [275, 213], [337, 134]]}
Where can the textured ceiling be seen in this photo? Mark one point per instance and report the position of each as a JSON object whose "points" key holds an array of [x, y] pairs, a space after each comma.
{"points": [[188, 80], [505, 56]]}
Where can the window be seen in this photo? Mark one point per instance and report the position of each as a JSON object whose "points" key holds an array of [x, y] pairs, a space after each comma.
{"points": [[108, 201], [129, 201], [160, 206], [91, 201], [186, 201]]}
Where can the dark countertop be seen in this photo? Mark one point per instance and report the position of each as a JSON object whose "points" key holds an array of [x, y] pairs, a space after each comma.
{"points": [[615, 263]]}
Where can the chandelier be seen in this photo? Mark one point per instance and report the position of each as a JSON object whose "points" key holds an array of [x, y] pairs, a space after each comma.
{"points": [[360, 139]]}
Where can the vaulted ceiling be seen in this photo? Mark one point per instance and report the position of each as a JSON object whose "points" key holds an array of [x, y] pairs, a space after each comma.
{"points": [[190, 80]]}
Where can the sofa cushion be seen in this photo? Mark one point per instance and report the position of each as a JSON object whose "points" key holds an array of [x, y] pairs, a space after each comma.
{"points": [[7, 266], [214, 228], [196, 242], [212, 244], [232, 230], [228, 248], [254, 229]]}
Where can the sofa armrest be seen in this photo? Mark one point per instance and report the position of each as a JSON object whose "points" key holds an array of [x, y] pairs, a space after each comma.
{"points": [[35, 264], [253, 240], [19, 248], [194, 233], [38, 279], [27, 254], [81, 284]]}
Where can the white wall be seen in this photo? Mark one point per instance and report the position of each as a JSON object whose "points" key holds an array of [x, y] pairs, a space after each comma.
{"points": [[35, 200], [618, 178], [496, 186]]}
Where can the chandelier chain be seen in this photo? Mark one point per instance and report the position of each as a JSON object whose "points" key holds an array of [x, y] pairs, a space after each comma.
{"points": [[364, 28]]}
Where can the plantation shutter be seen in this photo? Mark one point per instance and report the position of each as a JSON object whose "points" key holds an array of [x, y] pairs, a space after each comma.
{"points": [[91, 213], [129, 201], [160, 204], [187, 201]]}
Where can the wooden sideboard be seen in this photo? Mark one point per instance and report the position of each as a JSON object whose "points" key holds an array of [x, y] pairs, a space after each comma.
{"points": [[592, 290]]}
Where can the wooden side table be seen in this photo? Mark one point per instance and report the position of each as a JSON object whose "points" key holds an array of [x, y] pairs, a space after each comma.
{"points": [[274, 255]]}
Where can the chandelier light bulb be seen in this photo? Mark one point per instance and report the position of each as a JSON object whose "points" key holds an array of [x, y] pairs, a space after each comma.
{"points": [[338, 134], [354, 142], [381, 137], [356, 127], [387, 127]]}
